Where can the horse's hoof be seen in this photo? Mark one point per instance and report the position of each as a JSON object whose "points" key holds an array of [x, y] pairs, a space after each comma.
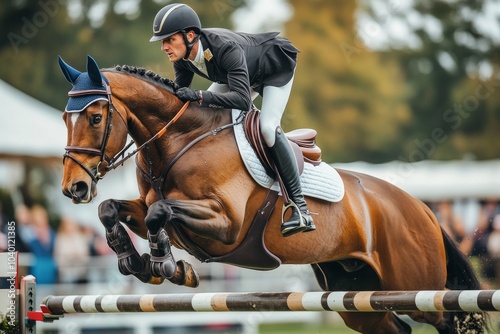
{"points": [[155, 280], [185, 275]]}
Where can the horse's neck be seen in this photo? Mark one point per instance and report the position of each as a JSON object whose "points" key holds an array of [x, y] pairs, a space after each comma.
{"points": [[148, 113]]}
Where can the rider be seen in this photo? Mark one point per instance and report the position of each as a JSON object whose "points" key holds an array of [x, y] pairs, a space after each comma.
{"points": [[241, 66]]}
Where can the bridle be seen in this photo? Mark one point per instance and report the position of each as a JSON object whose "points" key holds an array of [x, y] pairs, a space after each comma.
{"points": [[106, 162], [112, 163]]}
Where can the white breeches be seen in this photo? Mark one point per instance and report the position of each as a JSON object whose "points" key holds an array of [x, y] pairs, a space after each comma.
{"points": [[274, 100]]}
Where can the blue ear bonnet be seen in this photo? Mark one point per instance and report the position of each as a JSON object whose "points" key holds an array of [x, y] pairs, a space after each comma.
{"points": [[79, 103], [90, 80]]}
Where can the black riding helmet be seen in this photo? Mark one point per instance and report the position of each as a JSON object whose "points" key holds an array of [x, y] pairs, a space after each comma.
{"points": [[176, 18]]}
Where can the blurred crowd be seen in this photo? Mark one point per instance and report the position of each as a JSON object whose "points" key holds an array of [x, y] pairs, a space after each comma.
{"points": [[61, 255], [477, 233], [57, 255]]}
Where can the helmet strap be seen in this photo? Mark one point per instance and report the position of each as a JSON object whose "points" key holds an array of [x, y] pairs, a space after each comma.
{"points": [[189, 45]]}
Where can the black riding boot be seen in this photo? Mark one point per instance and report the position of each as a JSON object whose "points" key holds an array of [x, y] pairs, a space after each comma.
{"points": [[283, 157]]}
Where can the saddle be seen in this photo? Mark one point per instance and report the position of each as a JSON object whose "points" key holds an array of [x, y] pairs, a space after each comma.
{"points": [[303, 142]]}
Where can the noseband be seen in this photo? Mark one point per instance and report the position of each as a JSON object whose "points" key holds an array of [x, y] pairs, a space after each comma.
{"points": [[107, 163]]}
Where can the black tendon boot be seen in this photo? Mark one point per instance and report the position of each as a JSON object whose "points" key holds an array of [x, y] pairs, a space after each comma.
{"points": [[162, 261], [283, 157]]}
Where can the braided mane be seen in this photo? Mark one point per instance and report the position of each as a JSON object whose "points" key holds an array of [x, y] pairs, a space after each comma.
{"points": [[144, 74]]}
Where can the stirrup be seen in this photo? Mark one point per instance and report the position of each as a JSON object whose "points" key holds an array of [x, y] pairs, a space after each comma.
{"points": [[287, 231]]}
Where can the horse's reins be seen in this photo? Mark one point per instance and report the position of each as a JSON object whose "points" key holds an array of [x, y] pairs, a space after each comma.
{"points": [[113, 163], [157, 183]]}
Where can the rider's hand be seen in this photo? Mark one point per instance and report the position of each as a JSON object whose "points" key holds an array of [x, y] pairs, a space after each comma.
{"points": [[187, 94]]}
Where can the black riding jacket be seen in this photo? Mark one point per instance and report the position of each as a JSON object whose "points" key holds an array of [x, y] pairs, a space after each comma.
{"points": [[241, 61]]}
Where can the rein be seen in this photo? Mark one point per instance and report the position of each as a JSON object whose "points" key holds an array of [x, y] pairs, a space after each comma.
{"points": [[110, 164], [114, 164], [157, 182]]}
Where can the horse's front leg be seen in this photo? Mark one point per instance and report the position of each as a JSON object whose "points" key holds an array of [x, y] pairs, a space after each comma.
{"points": [[132, 213], [162, 261], [205, 217]]}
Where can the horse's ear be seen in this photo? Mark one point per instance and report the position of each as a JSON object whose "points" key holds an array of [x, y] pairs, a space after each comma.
{"points": [[93, 70], [69, 72]]}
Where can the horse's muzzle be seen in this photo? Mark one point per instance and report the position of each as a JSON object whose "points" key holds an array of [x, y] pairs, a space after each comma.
{"points": [[80, 192]]}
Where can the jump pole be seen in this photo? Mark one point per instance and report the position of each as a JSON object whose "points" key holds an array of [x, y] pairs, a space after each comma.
{"points": [[54, 307], [365, 301]]}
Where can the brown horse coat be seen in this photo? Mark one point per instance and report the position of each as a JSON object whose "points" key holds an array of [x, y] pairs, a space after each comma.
{"points": [[377, 238]]}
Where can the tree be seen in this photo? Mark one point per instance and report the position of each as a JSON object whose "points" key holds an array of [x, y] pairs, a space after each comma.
{"points": [[354, 97], [111, 32], [452, 73]]}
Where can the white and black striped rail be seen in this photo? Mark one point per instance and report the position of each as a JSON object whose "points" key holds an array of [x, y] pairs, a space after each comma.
{"points": [[364, 301]]}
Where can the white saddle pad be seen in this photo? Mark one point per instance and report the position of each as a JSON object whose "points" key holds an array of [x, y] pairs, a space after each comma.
{"points": [[322, 181]]}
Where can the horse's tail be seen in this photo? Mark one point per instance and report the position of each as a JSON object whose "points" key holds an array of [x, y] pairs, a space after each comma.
{"points": [[461, 276]]}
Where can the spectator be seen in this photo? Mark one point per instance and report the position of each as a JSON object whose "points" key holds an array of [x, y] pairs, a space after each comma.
{"points": [[71, 252], [485, 228], [98, 245], [42, 246], [453, 225]]}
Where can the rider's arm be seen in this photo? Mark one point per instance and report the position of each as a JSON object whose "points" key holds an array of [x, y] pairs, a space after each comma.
{"points": [[232, 59], [183, 76]]}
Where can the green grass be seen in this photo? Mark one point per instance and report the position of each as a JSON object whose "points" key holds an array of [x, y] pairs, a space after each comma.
{"points": [[304, 329], [340, 328], [325, 329]]}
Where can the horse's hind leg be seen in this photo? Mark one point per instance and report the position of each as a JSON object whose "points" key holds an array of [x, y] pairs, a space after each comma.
{"points": [[352, 274], [162, 262], [375, 323], [111, 212]]}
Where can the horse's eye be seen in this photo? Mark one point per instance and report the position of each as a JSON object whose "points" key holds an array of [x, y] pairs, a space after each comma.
{"points": [[95, 119]]}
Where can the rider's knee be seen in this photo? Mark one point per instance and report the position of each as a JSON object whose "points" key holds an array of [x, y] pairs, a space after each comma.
{"points": [[268, 130]]}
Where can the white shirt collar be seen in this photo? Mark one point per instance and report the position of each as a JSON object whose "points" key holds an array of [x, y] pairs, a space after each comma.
{"points": [[199, 60], [199, 55]]}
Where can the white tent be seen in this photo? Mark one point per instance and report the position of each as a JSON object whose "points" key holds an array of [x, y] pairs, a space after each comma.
{"points": [[34, 130], [29, 127], [438, 180]]}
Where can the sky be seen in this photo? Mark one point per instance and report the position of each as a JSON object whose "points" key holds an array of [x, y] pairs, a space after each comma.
{"points": [[399, 18], [262, 15], [257, 16]]}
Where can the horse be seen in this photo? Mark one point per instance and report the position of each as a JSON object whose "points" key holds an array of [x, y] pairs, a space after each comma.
{"points": [[196, 194]]}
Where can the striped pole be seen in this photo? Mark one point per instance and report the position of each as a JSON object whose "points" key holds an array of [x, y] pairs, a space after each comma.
{"points": [[364, 301]]}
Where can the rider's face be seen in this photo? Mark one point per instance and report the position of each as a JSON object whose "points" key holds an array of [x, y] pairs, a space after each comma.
{"points": [[174, 47]]}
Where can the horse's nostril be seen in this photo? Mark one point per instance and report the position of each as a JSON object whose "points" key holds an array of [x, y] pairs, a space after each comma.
{"points": [[79, 190]]}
